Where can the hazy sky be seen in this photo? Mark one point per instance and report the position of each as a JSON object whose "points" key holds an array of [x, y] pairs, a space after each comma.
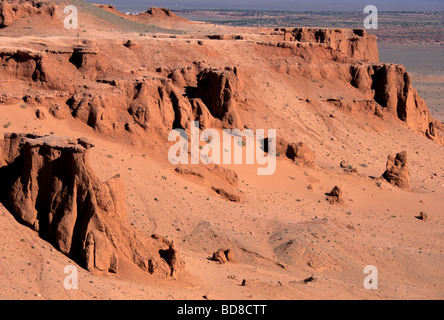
{"points": [[318, 5]]}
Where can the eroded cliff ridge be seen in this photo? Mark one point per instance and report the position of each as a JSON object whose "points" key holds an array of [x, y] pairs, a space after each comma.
{"points": [[114, 86], [48, 186]]}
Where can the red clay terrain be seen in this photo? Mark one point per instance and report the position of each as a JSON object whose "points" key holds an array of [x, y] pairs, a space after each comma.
{"points": [[85, 178]]}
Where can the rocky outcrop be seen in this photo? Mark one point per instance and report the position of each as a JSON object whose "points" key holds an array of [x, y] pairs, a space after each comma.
{"points": [[397, 172], [226, 195], [154, 15], [348, 168], [103, 94], [11, 10], [390, 86], [423, 216], [48, 186], [355, 44], [210, 101], [172, 99], [20, 63], [298, 152], [435, 132], [160, 12], [217, 89], [222, 256], [335, 196], [160, 16], [211, 172]]}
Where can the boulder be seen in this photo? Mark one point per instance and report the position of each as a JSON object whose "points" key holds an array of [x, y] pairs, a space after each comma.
{"points": [[230, 255], [299, 152], [40, 114], [223, 256], [397, 172], [219, 256], [335, 195], [435, 132], [423, 216]]}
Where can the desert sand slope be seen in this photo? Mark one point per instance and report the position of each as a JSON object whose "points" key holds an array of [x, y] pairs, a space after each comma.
{"points": [[339, 115]]}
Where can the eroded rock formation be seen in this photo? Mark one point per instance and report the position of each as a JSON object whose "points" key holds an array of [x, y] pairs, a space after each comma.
{"points": [[299, 152], [11, 10], [115, 99], [222, 256], [227, 195], [154, 15], [390, 86], [217, 88], [356, 44], [172, 99], [397, 172], [335, 195], [48, 185]]}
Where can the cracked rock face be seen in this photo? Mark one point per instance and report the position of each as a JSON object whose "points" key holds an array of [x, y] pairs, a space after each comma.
{"points": [[47, 184]]}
